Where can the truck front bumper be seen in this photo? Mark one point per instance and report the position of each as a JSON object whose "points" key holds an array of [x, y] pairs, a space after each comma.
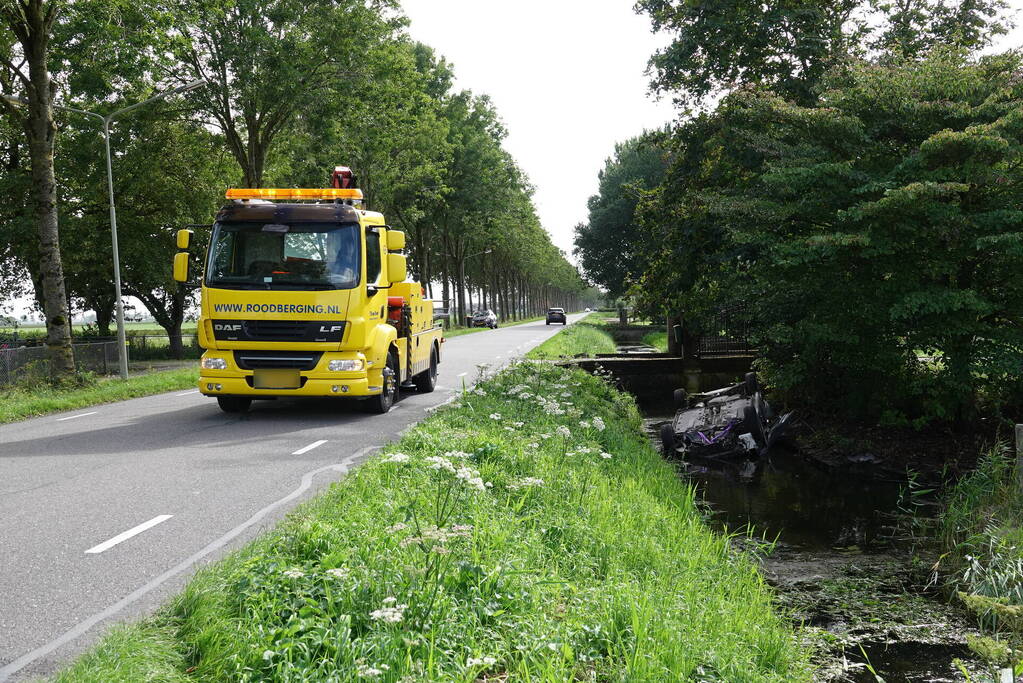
{"points": [[239, 386]]}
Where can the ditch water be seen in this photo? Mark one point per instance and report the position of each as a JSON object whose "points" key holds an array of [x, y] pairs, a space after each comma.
{"points": [[840, 552]]}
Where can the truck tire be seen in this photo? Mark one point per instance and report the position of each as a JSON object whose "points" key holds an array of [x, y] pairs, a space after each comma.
{"points": [[426, 381], [382, 402], [750, 383], [234, 404]]}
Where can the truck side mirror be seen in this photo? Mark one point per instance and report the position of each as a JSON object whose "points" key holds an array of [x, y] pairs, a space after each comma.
{"points": [[397, 267], [181, 264], [184, 239], [395, 240]]}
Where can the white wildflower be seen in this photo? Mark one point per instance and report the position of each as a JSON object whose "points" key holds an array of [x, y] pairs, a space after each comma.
{"points": [[462, 529], [518, 424], [395, 528], [532, 445], [294, 573], [495, 416], [389, 615], [584, 424], [566, 394], [598, 424], [546, 435], [268, 655], [457, 455], [564, 431], [606, 455], [396, 457], [390, 600], [366, 671], [338, 572], [525, 482], [474, 662], [436, 462]]}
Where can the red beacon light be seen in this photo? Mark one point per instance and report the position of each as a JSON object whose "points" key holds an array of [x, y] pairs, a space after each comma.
{"points": [[342, 178]]}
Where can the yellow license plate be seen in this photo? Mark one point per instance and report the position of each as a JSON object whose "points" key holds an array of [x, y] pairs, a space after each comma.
{"points": [[276, 379]]}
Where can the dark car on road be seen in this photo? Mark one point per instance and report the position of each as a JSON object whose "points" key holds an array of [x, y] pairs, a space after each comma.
{"points": [[484, 318], [556, 315]]}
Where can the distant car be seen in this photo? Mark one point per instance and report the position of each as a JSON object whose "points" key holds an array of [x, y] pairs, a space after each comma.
{"points": [[586, 310], [484, 318], [556, 315]]}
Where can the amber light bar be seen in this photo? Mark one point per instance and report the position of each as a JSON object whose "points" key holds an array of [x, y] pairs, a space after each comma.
{"points": [[272, 193]]}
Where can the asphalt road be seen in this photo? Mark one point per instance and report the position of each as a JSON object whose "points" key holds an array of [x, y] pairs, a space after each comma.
{"points": [[106, 511]]}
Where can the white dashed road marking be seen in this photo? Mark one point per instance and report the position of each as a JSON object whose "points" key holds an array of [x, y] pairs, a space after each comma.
{"points": [[314, 444], [73, 417], [134, 531]]}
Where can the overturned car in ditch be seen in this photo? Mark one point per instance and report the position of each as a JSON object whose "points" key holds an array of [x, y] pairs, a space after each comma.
{"points": [[732, 421]]}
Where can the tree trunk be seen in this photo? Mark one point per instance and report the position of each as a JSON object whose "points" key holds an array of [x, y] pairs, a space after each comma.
{"points": [[32, 28]]}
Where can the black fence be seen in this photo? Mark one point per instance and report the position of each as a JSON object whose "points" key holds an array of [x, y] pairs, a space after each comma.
{"points": [[726, 333]]}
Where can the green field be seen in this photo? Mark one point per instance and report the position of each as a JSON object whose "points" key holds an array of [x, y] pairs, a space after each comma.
{"points": [[586, 337]]}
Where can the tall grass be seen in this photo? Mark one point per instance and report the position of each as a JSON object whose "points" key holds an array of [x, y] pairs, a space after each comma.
{"points": [[585, 337], [981, 528], [528, 533]]}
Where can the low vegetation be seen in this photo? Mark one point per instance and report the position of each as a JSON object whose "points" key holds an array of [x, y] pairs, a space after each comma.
{"points": [[982, 531], [657, 340], [29, 400], [586, 337], [530, 532]]}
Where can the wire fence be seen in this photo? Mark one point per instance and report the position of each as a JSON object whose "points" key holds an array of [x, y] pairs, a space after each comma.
{"points": [[29, 359], [24, 363]]}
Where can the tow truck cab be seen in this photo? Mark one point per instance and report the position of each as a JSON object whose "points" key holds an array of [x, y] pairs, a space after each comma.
{"points": [[306, 296]]}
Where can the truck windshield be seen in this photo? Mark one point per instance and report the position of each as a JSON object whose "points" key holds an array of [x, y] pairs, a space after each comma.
{"points": [[246, 255]]}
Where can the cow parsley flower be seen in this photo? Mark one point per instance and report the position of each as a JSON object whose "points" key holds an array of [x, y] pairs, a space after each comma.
{"points": [[436, 462], [389, 615], [495, 416], [598, 424], [564, 431], [294, 573], [338, 572], [605, 455], [395, 528], [474, 662], [525, 482], [584, 424], [396, 457]]}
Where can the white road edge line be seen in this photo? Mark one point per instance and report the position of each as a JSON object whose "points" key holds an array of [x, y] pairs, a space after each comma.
{"points": [[189, 393], [306, 449], [83, 626], [462, 374], [134, 531], [72, 417]]}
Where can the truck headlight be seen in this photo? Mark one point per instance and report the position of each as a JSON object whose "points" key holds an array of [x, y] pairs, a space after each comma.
{"points": [[214, 364], [347, 365]]}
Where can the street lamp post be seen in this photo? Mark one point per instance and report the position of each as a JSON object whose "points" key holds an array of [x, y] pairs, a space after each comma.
{"points": [[122, 351]]}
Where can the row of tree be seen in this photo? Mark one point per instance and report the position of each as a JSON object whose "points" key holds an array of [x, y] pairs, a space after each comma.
{"points": [[290, 88], [857, 187]]}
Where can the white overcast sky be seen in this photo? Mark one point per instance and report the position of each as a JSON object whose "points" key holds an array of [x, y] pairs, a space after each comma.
{"points": [[566, 77]]}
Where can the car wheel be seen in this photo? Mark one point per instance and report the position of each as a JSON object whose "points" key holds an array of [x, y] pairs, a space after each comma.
{"points": [[382, 403], [234, 404], [667, 439], [548, 322], [426, 381], [750, 383], [681, 398]]}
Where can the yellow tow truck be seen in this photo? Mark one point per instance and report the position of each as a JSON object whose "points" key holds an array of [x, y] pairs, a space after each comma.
{"points": [[304, 293]]}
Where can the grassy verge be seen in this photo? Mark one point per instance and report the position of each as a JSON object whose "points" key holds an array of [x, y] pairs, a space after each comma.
{"points": [[459, 331], [658, 340], [21, 402], [504, 538], [584, 337]]}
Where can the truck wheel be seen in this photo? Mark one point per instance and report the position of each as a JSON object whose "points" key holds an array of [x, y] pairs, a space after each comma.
{"points": [[548, 322], [667, 439], [426, 381], [382, 403], [234, 404]]}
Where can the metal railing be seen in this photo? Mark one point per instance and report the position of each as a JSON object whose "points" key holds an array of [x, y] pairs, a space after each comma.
{"points": [[726, 333]]}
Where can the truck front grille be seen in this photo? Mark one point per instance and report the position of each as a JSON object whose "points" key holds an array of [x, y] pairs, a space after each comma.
{"points": [[292, 360], [270, 330]]}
